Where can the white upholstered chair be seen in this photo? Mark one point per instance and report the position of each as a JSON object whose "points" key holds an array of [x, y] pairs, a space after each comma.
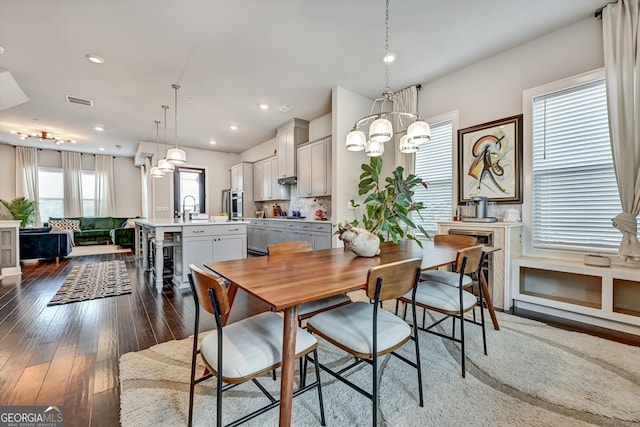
{"points": [[452, 301], [367, 331], [241, 351]]}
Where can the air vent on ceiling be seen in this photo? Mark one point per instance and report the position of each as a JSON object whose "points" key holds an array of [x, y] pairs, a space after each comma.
{"points": [[81, 101]]}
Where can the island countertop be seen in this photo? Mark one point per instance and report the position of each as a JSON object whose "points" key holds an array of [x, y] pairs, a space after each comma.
{"points": [[169, 222]]}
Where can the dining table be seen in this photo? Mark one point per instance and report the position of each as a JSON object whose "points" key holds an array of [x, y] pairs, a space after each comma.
{"points": [[285, 281]]}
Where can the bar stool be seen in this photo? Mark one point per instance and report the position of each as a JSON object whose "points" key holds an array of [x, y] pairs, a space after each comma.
{"points": [[167, 255]]}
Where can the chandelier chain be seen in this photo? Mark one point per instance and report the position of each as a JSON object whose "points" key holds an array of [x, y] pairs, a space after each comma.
{"points": [[387, 89]]}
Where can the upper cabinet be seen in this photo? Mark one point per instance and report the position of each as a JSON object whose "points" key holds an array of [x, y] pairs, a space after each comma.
{"points": [[265, 181], [241, 176], [314, 168], [288, 136]]}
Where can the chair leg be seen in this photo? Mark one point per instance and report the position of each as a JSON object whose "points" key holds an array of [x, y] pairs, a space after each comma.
{"points": [[415, 334], [317, 369], [462, 342], [374, 392], [484, 335]]}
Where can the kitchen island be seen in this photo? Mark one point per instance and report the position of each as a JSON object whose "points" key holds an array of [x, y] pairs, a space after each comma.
{"points": [[193, 242]]}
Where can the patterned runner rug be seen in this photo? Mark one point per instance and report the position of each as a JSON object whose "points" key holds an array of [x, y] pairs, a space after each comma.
{"points": [[91, 281]]}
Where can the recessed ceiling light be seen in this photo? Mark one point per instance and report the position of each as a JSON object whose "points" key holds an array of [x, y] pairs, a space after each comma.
{"points": [[233, 127], [98, 128], [285, 108], [264, 106], [94, 58], [73, 141], [101, 148], [389, 57], [212, 142]]}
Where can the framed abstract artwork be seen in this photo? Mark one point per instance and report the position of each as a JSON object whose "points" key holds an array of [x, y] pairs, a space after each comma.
{"points": [[490, 161]]}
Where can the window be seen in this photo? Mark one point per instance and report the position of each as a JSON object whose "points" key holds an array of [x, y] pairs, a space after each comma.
{"points": [[51, 195], [434, 164], [574, 191], [189, 194]]}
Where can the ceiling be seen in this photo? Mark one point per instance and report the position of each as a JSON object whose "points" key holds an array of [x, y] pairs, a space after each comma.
{"points": [[229, 56]]}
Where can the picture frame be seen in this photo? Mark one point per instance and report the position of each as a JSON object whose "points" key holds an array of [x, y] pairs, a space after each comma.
{"points": [[490, 161]]}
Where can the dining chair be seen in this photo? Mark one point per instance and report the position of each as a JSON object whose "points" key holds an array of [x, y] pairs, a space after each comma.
{"points": [[452, 301], [367, 331], [310, 308], [241, 351], [451, 278]]}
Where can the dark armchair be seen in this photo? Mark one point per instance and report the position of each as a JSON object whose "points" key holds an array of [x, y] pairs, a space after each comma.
{"points": [[40, 243]]}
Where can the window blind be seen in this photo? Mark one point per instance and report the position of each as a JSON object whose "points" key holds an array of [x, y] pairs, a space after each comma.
{"points": [[434, 164], [575, 195]]}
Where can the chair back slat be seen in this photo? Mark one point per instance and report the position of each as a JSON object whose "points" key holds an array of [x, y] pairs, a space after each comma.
{"points": [[289, 247], [205, 281], [474, 258], [397, 278], [460, 240]]}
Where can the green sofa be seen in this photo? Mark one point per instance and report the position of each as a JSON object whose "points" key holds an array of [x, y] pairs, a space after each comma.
{"points": [[98, 230]]}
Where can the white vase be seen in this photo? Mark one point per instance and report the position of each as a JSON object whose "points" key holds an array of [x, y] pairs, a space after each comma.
{"points": [[361, 242]]}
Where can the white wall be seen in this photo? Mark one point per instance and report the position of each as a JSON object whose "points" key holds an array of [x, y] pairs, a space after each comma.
{"points": [[7, 172], [216, 165], [492, 89]]}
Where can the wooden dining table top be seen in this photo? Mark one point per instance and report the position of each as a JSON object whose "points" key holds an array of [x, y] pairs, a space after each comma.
{"points": [[286, 280]]}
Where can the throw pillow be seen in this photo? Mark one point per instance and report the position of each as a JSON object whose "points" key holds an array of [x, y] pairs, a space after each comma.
{"points": [[130, 223], [66, 224], [56, 229]]}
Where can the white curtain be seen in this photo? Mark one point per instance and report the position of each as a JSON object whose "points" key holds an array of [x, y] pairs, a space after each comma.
{"points": [[72, 180], [27, 177], [405, 100], [105, 194], [621, 23]]}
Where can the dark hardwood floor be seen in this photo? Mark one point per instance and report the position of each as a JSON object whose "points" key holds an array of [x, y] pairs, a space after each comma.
{"points": [[68, 354]]}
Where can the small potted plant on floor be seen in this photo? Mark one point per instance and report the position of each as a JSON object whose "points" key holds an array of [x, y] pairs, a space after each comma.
{"points": [[21, 209]]}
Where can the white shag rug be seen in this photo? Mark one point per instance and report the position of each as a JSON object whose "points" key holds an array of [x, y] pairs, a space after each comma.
{"points": [[534, 375]]}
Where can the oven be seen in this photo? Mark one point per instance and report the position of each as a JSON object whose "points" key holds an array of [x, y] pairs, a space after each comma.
{"points": [[232, 203]]}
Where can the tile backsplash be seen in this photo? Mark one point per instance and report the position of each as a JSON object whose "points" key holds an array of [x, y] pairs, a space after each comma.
{"points": [[306, 205]]}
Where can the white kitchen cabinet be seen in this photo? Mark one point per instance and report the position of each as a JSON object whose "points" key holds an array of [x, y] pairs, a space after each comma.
{"points": [[314, 168], [258, 181], [202, 244], [241, 176], [318, 234], [288, 136], [266, 185]]}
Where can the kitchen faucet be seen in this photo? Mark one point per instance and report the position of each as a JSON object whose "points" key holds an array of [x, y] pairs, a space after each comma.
{"points": [[184, 199]]}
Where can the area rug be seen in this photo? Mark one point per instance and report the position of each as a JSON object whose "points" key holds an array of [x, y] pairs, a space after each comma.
{"points": [[91, 281], [534, 375]]}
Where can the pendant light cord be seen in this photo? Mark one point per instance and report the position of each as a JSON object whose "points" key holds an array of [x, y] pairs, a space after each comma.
{"points": [[165, 108], [176, 87]]}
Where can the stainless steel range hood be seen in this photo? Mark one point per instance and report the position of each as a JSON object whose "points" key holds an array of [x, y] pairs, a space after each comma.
{"points": [[288, 180]]}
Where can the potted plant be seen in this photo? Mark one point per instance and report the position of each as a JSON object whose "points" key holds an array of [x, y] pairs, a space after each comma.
{"points": [[21, 209], [388, 207]]}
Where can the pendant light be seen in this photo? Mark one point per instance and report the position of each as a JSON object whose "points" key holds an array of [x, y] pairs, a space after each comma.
{"points": [[163, 164], [380, 126], [176, 155], [155, 171]]}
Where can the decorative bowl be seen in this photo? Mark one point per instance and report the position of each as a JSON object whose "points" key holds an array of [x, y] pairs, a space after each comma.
{"points": [[220, 218]]}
